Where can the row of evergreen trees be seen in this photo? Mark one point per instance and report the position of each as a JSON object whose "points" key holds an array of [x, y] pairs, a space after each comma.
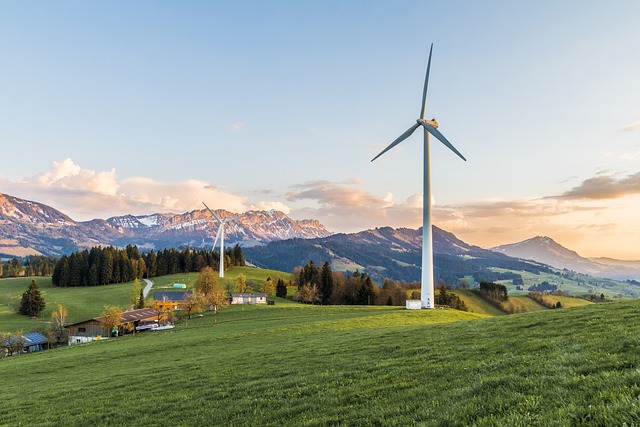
{"points": [[32, 265], [103, 266], [324, 286]]}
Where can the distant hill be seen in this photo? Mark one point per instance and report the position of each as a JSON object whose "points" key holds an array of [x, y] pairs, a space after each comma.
{"points": [[388, 253], [32, 228], [546, 250]]}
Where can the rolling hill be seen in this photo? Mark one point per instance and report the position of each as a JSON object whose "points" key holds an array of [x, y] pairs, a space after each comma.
{"points": [[296, 365]]}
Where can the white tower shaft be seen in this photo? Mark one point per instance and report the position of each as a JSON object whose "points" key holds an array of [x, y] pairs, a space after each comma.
{"points": [[427, 286], [221, 272]]}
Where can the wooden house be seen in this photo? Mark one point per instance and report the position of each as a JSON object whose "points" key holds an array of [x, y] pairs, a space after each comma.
{"points": [[89, 330]]}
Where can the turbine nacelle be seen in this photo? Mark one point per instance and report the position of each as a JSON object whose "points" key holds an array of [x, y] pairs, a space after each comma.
{"points": [[433, 122]]}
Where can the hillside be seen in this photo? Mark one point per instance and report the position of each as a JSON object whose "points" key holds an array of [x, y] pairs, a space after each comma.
{"points": [[308, 365], [547, 251], [389, 253]]}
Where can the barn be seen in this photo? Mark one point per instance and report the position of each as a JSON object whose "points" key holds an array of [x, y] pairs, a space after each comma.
{"points": [[89, 330]]}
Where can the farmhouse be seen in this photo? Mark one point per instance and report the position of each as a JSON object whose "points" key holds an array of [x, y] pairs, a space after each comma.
{"points": [[246, 298], [91, 329], [169, 301]]}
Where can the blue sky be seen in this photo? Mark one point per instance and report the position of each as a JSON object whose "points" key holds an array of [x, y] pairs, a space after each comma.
{"points": [[141, 107]]}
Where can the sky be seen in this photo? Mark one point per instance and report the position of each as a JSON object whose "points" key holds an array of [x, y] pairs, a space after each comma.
{"points": [[112, 108]]}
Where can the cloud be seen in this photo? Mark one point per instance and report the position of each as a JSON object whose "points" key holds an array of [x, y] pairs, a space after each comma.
{"points": [[604, 186], [85, 194], [236, 127], [342, 207], [631, 127], [66, 174], [271, 205]]}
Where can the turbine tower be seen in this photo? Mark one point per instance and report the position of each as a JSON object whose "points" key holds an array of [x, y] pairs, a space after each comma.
{"points": [[220, 234], [429, 127]]}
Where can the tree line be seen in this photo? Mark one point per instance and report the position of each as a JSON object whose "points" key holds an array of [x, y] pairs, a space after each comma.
{"points": [[321, 285], [32, 265], [105, 265]]}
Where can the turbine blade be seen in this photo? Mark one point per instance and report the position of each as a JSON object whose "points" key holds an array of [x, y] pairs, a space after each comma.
{"points": [[214, 215], [215, 242], [426, 84], [401, 138], [435, 132]]}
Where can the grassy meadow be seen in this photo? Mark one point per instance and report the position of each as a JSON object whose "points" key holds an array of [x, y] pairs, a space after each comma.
{"points": [[83, 303], [301, 365]]}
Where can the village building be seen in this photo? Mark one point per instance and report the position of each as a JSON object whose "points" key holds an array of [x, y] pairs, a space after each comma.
{"points": [[169, 301], [25, 343], [95, 329], [249, 298]]}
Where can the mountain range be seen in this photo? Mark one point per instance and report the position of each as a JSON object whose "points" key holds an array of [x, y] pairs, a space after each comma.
{"points": [[273, 240], [32, 228]]}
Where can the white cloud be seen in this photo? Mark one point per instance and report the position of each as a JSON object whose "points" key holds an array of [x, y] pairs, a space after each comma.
{"points": [[66, 174], [85, 194], [271, 205], [631, 127], [236, 127], [341, 207]]}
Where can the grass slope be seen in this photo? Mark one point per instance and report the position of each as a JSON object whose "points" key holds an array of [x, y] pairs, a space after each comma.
{"points": [[475, 304], [83, 303], [367, 366]]}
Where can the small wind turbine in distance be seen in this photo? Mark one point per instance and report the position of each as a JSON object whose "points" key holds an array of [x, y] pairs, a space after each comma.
{"points": [[220, 234], [429, 127]]}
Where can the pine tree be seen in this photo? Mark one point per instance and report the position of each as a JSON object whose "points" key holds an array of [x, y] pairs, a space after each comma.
{"points": [[326, 283], [32, 302], [281, 289]]}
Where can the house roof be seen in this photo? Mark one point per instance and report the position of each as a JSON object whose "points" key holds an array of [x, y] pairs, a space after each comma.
{"points": [[170, 296], [245, 295], [127, 316], [35, 338], [32, 338]]}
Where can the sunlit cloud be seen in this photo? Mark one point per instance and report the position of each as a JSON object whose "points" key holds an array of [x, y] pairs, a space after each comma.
{"points": [[342, 207], [236, 127], [271, 205], [604, 186], [85, 194], [631, 127]]}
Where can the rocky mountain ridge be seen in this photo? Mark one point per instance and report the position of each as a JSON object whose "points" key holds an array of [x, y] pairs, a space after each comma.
{"points": [[32, 228]]}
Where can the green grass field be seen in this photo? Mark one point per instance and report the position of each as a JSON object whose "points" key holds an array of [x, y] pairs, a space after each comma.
{"points": [[84, 303], [81, 303], [574, 284], [300, 365]]}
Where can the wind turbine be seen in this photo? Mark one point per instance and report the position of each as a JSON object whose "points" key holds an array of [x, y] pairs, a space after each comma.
{"points": [[429, 127], [221, 235]]}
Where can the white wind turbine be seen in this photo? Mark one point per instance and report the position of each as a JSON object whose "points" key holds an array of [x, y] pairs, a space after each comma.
{"points": [[220, 234], [429, 127]]}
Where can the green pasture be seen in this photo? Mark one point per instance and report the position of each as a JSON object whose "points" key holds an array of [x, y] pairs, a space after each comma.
{"points": [[84, 303], [301, 365], [574, 284], [475, 304], [81, 303]]}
